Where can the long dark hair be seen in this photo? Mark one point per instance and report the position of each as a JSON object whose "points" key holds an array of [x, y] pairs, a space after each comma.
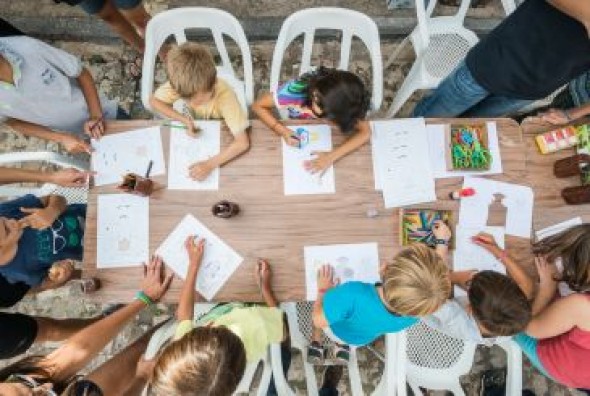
{"points": [[30, 365], [573, 246], [341, 96]]}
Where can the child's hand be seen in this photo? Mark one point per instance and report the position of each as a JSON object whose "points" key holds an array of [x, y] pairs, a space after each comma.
{"points": [[547, 272], [463, 278], [555, 116], [38, 218], [263, 275], [74, 145], [326, 278], [195, 250], [441, 230], [145, 368], [155, 282], [487, 242], [320, 163], [190, 127], [290, 138], [94, 127], [70, 177], [61, 272], [200, 170]]}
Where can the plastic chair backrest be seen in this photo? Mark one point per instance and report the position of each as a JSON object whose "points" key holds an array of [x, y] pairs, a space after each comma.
{"points": [[424, 14], [175, 22], [351, 23]]}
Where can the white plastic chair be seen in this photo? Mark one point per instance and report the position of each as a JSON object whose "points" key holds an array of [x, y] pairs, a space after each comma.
{"points": [[299, 318], [440, 44], [175, 22], [165, 332], [436, 361], [393, 380], [350, 23], [73, 195]]}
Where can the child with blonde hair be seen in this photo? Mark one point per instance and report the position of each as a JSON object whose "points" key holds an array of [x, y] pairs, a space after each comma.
{"points": [[209, 356], [192, 78], [414, 284]]}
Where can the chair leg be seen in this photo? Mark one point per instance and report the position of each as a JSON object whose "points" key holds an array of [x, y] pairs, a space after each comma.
{"points": [[457, 389], [405, 91], [354, 373]]}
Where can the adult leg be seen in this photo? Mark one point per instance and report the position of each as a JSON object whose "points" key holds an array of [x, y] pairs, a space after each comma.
{"points": [[106, 10], [455, 95], [496, 106], [135, 13]]}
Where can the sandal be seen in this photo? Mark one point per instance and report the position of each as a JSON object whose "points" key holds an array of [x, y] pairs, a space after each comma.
{"points": [[315, 353], [342, 353]]}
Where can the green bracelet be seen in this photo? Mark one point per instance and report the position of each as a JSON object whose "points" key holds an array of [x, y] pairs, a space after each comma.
{"points": [[141, 296]]}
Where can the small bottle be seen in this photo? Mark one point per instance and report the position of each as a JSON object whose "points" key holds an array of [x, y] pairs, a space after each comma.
{"points": [[225, 209]]}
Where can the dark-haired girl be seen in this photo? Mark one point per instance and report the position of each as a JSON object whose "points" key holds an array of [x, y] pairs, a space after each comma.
{"points": [[336, 95]]}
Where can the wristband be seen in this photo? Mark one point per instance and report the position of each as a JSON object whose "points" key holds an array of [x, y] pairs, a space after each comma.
{"points": [[141, 296], [322, 291], [441, 242]]}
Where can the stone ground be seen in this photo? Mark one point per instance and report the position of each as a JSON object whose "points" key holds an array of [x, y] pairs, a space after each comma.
{"points": [[107, 63]]}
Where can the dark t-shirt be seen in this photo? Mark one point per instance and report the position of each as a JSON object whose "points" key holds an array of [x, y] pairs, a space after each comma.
{"points": [[39, 249], [11, 293], [533, 52]]}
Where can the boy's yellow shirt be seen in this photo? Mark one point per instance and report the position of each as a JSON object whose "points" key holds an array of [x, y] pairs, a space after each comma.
{"points": [[224, 105]]}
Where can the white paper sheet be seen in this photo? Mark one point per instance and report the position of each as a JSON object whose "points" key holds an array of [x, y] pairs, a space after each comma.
{"points": [[469, 256], [121, 153], [219, 260], [557, 228], [295, 178], [403, 159], [359, 262], [186, 150], [122, 235], [376, 165], [518, 201], [438, 152]]}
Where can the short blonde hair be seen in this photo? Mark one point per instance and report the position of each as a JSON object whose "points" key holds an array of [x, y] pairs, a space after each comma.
{"points": [[191, 69], [207, 361], [416, 282]]}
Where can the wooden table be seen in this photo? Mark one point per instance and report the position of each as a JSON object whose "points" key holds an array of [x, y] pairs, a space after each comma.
{"points": [[275, 226]]}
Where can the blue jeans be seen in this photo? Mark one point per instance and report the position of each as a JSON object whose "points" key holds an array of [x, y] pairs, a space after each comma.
{"points": [[95, 6], [528, 345], [459, 95]]}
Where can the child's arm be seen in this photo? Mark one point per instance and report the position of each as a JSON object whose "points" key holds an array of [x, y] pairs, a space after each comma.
{"points": [[547, 285], [263, 276], [81, 348], [442, 232], [560, 317], [563, 116], [166, 110], [514, 270], [186, 304], [40, 219], [263, 109], [95, 125], [325, 159], [200, 170], [325, 282], [70, 143]]}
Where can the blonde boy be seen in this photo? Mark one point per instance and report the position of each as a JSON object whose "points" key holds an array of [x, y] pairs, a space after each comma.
{"points": [[192, 77]]}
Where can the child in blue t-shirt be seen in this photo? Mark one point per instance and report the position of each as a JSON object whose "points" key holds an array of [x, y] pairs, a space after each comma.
{"points": [[414, 284], [38, 239]]}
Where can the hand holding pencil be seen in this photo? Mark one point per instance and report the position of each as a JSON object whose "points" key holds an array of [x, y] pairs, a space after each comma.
{"points": [[94, 127]]}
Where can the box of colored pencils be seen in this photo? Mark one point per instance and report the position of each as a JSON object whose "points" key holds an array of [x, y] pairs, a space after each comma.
{"points": [[416, 225]]}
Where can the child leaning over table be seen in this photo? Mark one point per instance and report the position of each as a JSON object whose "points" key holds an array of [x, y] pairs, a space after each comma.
{"points": [[496, 306], [336, 95], [38, 239], [208, 356], [192, 77], [414, 284]]}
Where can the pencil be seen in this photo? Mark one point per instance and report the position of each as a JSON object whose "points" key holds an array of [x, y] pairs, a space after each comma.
{"points": [[149, 169], [173, 125]]}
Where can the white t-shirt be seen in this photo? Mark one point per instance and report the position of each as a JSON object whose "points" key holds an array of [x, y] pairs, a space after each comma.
{"points": [[453, 320], [45, 90]]}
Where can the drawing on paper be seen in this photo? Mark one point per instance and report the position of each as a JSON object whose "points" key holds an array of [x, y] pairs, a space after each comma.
{"points": [[416, 225], [122, 230], [468, 147], [351, 262]]}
